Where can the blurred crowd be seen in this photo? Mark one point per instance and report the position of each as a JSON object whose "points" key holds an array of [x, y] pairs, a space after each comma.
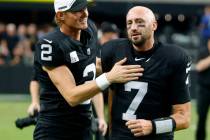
{"points": [[17, 42]]}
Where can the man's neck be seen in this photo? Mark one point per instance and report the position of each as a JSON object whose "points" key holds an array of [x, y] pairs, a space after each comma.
{"points": [[145, 47], [73, 33]]}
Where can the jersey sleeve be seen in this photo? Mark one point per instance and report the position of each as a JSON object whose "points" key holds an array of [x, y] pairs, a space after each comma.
{"points": [[107, 55], [48, 53], [180, 81], [34, 76]]}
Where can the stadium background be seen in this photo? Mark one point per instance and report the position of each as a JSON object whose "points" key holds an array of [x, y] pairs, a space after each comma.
{"points": [[178, 22]]}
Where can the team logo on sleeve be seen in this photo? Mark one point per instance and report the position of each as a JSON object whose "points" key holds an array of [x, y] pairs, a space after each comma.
{"points": [[74, 57]]}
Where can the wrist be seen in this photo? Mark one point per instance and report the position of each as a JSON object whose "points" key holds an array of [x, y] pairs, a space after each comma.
{"points": [[163, 125], [101, 118], [102, 82], [35, 102], [109, 77], [35, 99]]}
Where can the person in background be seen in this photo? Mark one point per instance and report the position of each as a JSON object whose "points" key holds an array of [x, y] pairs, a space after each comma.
{"points": [[34, 89], [9, 44], [205, 27], [108, 31], [4, 52], [203, 69], [203, 97]]}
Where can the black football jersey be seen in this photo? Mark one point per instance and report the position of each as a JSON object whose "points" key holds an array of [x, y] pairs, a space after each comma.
{"points": [[34, 74], [163, 84], [56, 49]]}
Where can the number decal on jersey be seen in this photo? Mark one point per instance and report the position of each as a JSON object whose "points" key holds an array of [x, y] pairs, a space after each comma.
{"points": [[142, 90], [187, 72], [89, 68], [46, 51]]}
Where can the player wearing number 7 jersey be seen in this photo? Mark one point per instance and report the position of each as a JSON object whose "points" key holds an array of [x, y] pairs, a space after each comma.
{"points": [[158, 103], [65, 64]]}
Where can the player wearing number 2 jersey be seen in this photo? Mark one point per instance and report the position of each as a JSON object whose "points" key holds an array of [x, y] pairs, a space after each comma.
{"points": [[65, 67], [156, 104], [56, 49]]}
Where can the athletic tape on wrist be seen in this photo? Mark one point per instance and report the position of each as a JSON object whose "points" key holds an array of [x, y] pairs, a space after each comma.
{"points": [[102, 82], [163, 125]]}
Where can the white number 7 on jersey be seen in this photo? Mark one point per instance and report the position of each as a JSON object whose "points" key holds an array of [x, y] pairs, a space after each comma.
{"points": [[142, 90]]}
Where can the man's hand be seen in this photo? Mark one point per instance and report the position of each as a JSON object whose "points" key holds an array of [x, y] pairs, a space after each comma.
{"points": [[140, 127], [123, 73], [102, 126], [33, 108]]}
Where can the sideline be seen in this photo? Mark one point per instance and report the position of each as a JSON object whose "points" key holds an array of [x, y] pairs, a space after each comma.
{"points": [[14, 97]]}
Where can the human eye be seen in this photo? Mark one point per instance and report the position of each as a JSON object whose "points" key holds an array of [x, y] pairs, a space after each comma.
{"points": [[129, 23], [140, 23]]}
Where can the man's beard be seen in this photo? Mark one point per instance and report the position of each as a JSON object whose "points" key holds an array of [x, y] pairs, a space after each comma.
{"points": [[139, 42]]}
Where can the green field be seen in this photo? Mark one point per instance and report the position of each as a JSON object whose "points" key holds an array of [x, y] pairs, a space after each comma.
{"points": [[15, 107]]}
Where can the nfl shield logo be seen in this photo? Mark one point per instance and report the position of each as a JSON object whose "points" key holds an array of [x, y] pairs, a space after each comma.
{"points": [[74, 57]]}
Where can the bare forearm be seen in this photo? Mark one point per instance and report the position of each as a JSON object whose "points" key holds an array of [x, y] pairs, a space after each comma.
{"points": [[98, 103], [73, 94], [203, 64], [182, 117], [34, 91], [98, 66], [78, 94]]}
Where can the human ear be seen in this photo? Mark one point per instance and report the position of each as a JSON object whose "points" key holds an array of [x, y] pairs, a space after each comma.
{"points": [[154, 25]]}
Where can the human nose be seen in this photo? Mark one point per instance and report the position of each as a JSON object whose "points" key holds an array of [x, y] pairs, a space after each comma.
{"points": [[85, 12], [133, 26]]}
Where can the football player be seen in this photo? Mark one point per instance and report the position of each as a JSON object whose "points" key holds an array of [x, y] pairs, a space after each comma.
{"points": [[158, 103], [65, 65], [34, 106]]}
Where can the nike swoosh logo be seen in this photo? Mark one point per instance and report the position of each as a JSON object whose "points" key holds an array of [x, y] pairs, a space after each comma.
{"points": [[148, 60], [139, 59], [189, 64], [49, 41]]}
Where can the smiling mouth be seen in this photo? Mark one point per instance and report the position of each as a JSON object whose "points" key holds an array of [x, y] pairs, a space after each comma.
{"points": [[136, 35], [83, 20]]}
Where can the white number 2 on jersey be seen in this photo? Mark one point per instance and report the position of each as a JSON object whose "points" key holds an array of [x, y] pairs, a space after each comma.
{"points": [[142, 90], [88, 69], [46, 51]]}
